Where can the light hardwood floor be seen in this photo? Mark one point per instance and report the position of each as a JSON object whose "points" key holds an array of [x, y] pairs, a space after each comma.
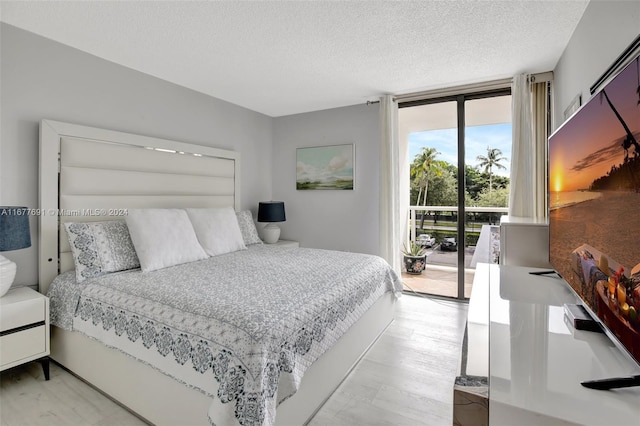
{"points": [[406, 378]]}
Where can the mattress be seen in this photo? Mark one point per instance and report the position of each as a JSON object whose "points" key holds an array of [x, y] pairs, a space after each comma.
{"points": [[241, 327]]}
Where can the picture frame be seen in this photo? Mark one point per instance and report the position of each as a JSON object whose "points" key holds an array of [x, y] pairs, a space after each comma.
{"points": [[329, 167], [573, 106]]}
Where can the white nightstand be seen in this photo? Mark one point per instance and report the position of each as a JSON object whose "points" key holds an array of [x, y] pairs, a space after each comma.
{"points": [[24, 328], [285, 243]]}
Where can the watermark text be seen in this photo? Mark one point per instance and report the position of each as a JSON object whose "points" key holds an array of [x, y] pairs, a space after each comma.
{"points": [[65, 212]]}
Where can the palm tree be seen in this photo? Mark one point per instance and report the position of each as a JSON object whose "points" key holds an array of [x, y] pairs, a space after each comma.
{"points": [[424, 168], [629, 139], [492, 159]]}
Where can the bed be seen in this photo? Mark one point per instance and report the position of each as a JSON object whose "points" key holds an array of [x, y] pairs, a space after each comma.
{"points": [[96, 175]]}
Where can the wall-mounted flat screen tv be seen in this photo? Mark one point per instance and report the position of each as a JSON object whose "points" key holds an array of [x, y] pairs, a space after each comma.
{"points": [[594, 205]]}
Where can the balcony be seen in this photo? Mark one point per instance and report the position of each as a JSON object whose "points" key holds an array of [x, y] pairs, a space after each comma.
{"points": [[481, 244]]}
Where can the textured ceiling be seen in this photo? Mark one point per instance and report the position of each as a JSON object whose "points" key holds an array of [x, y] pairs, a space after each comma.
{"points": [[283, 58]]}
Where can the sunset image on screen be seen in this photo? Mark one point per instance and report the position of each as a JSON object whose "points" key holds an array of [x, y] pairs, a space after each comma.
{"points": [[585, 152], [594, 200]]}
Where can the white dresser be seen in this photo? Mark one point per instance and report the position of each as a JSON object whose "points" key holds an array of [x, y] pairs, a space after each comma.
{"points": [[534, 361], [537, 361]]}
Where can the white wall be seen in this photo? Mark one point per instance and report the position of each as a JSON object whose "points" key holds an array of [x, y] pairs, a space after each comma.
{"points": [[333, 219], [604, 32], [44, 79]]}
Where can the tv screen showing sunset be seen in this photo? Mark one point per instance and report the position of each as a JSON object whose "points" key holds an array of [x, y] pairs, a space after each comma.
{"points": [[594, 205]]}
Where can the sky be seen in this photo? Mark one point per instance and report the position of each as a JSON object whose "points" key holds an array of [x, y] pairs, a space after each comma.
{"points": [[477, 139], [589, 143]]}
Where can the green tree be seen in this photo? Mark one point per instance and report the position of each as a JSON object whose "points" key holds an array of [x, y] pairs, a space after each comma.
{"points": [[475, 181], [500, 182], [423, 169], [443, 190], [496, 198], [491, 160]]}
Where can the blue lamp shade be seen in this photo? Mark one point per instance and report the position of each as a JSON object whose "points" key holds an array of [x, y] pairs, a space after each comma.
{"points": [[14, 228], [271, 211]]}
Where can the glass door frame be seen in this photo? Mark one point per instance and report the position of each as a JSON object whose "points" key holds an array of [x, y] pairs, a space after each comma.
{"points": [[460, 100]]}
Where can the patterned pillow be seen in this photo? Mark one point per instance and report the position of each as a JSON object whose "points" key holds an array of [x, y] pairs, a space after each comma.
{"points": [[248, 228], [100, 248]]}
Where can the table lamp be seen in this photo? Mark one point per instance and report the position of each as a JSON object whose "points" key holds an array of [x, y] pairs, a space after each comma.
{"points": [[14, 235], [270, 212]]}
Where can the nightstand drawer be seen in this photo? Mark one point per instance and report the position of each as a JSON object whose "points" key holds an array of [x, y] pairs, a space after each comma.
{"points": [[23, 313], [23, 344]]}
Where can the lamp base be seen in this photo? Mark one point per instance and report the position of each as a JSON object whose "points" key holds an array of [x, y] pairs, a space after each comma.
{"points": [[7, 274], [271, 233]]}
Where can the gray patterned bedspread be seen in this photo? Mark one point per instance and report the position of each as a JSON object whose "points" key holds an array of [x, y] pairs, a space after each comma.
{"points": [[242, 327]]}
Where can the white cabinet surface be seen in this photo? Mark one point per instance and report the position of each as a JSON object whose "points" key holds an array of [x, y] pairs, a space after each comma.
{"points": [[285, 243], [537, 360], [534, 360], [24, 328], [524, 242]]}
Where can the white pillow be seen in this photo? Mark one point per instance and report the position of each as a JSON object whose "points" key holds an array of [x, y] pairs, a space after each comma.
{"points": [[217, 230], [163, 238]]}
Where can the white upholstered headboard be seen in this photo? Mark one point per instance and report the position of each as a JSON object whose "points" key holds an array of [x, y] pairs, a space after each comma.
{"points": [[91, 174]]}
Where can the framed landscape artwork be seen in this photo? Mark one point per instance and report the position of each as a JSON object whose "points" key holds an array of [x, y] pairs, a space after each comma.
{"points": [[325, 167]]}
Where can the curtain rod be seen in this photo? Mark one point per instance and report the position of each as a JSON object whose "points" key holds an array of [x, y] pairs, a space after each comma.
{"points": [[466, 89], [541, 77], [456, 90], [620, 62]]}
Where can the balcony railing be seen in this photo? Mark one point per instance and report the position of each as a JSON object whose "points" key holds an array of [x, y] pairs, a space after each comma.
{"points": [[481, 216]]}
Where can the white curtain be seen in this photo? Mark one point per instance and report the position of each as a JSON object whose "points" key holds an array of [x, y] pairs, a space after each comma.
{"points": [[527, 197], [539, 111], [389, 183]]}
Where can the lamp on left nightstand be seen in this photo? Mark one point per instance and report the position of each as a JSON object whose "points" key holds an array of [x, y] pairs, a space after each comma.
{"points": [[14, 235], [270, 212]]}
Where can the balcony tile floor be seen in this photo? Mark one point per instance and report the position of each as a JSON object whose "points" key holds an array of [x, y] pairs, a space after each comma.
{"points": [[438, 280]]}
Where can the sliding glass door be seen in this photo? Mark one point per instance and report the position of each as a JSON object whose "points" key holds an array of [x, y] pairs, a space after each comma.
{"points": [[458, 151]]}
